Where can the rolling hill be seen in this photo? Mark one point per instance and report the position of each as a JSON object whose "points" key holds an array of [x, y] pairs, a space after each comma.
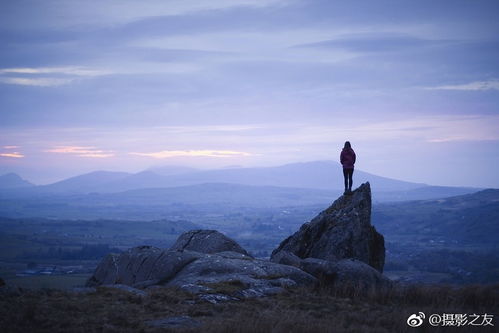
{"points": [[84, 183], [471, 218], [322, 175], [13, 181], [297, 180]]}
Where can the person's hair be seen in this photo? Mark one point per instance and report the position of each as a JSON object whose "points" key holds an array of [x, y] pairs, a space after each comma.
{"points": [[347, 145]]}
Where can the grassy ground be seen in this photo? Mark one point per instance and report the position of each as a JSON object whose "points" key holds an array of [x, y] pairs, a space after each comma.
{"points": [[68, 281], [317, 309]]}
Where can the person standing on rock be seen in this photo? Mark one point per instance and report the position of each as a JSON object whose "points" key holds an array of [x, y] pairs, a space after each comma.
{"points": [[347, 159]]}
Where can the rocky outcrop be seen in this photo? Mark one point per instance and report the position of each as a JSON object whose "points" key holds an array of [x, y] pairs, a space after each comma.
{"points": [[342, 231], [357, 273], [141, 266], [345, 272], [147, 266], [259, 276], [206, 241]]}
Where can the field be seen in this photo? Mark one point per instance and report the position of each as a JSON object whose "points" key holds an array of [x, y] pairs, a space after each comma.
{"points": [[63, 282], [315, 309]]}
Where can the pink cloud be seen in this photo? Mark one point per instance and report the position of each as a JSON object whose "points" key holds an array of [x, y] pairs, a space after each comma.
{"points": [[14, 154], [81, 151], [193, 153]]}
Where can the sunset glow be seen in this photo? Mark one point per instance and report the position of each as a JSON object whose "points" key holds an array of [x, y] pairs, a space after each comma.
{"points": [[81, 151], [13, 155], [193, 153]]}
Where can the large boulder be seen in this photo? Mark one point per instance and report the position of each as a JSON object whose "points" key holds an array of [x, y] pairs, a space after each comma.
{"points": [[342, 231], [359, 274], [350, 272], [140, 266], [260, 276], [206, 241], [286, 258]]}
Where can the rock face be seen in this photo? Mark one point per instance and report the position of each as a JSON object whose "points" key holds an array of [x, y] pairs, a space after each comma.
{"points": [[342, 231], [260, 275], [206, 241], [346, 271], [141, 265], [194, 271]]}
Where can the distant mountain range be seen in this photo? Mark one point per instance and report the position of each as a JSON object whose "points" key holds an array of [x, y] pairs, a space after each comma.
{"points": [[319, 175], [12, 181]]}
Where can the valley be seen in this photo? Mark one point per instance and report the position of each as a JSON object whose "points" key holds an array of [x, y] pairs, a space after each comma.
{"points": [[427, 241], [433, 234]]}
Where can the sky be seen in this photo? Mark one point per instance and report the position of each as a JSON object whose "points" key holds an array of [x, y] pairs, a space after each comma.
{"points": [[125, 85]]}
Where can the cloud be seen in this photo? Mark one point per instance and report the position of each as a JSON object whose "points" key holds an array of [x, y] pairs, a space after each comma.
{"points": [[234, 45], [375, 42], [68, 14], [14, 154], [81, 151], [211, 128], [193, 153], [51, 76], [473, 86], [38, 82], [10, 153], [449, 139], [434, 129], [68, 70], [463, 139]]}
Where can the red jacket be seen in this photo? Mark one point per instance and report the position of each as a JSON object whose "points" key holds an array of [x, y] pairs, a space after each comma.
{"points": [[347, 158]]}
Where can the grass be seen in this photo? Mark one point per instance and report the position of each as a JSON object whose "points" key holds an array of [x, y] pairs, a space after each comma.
{"points": [[227, 288], [52, 282], [319, 309]]}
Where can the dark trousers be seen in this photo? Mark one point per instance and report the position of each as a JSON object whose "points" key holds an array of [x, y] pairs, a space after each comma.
{"points": [[347, 174]]}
